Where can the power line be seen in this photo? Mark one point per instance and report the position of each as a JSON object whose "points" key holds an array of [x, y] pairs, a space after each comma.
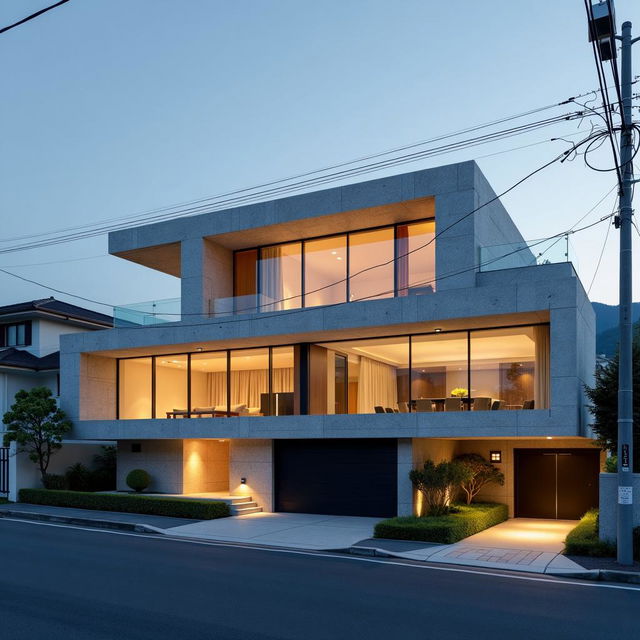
{"points": [[281, 190], [32, 16]]}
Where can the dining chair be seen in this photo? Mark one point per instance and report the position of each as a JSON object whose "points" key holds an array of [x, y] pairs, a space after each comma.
{"points": [[379, 409], [528, 404], [388, 410], [403, 407], [424, 404], [481, 404], [497, 404], [452, 404]]}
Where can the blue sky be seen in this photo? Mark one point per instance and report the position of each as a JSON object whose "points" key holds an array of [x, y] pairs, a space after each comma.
{"points": [[113, 107]]}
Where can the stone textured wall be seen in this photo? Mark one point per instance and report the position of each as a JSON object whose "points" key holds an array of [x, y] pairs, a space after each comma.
{"points": [[609, 504], [253, 460]]}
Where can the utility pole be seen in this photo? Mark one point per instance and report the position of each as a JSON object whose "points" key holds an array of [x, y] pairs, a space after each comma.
{"points": [[602, 32], [625, 375]]}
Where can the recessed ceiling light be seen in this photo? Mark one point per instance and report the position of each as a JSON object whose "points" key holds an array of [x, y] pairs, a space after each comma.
{"points": [[438, 330]]}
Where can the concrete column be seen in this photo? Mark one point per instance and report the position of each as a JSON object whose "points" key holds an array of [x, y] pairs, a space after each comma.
{"points": [[206, 274], [253, 460], [405, 488]]}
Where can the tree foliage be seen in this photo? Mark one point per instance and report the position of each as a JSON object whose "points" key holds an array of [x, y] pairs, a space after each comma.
{"points": [[481, 473], [604, 404], [36, 425], [438, 483]]}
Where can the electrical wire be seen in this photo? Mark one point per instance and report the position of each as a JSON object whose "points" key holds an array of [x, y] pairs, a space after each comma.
{"points": [[32, 16]]}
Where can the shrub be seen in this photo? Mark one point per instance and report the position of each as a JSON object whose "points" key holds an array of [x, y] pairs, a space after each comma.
{"points": [[438, 482], [611, 464], [481, 473], [138, 480], [584, 540], [128, 503], [54, 481], [78, 478], [104, 472], [445, 529]]}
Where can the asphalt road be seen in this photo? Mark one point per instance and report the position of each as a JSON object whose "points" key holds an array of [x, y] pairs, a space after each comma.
{"points": [[58, 582]]}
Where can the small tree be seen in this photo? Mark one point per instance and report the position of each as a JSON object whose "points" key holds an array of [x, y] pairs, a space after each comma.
{"points": [[36, 425], [481, 473], [437, 483], [604, 404]]}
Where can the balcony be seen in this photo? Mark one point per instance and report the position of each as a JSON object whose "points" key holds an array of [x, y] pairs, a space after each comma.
{"points": [[527, 254], [147, 313]]}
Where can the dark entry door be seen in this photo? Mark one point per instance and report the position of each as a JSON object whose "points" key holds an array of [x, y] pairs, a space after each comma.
{"points": [[336, 477], [556, 483]]}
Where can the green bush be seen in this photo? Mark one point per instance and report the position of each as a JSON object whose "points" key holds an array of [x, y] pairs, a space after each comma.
{"points": [[467, 520], [611, 464], [138, 479], [128, 503], [583, 539], [78, 478], [55, 481]]}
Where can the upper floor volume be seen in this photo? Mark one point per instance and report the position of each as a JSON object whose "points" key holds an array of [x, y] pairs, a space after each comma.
{"points": [[398, 236]]}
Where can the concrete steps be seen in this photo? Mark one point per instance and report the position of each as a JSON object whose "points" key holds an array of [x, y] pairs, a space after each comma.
{"points": [[243, 506]]}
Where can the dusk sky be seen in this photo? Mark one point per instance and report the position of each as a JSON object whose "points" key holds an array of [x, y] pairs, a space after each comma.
{"points": [[111, 108]]}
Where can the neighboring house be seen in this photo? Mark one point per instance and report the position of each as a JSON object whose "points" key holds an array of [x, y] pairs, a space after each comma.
{"points": [[30, 351], [320, 341]]}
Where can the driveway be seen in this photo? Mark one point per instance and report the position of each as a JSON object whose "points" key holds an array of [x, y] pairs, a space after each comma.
{"points": [[297, 530], [521, 544]]}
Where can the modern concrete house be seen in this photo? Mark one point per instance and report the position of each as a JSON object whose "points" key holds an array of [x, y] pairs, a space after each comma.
{"points": [[326, 343], [29, 357]]}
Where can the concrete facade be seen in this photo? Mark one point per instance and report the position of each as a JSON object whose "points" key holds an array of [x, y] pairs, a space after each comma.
{"points": [[199, 250], [609, 503]]}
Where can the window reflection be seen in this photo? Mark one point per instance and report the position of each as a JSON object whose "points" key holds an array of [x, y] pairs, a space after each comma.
{"points": [[325, 271], [371, 267], [209, 383]]}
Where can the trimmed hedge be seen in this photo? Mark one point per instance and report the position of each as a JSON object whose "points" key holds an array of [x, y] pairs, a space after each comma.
{"points": [[583, 539], [467, 520], [127, 503]]}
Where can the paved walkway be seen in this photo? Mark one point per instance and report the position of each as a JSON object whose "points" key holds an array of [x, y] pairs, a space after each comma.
{"points": [[519, 544], [297, 530]]}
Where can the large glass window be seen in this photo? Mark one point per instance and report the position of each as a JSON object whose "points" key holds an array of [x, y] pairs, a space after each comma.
{"points": [[250, 382], [439, 372], [377, 372], [510, 366], [171, 385], [134, 393], [209, 382], [371, 264], [283, 387], [325, 271], [281, 277], [416, 258]]}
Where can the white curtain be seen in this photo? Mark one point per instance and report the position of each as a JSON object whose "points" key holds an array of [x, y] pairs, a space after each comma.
{"points": [[541, 382], [271, 279], [217, 389], [377, 386], [246, 386]]}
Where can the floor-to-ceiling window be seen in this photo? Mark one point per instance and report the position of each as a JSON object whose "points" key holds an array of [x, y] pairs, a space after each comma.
{"points": [[350, 267], [171, 384], [371, 264], [439, 371], [135, 377], [209, 382]]}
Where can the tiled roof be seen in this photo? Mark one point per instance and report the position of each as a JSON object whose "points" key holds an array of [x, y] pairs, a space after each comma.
{"points": [[58, 308], [12, 357]]}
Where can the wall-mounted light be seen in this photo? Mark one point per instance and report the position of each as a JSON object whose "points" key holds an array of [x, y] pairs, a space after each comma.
{"points": [[243, 481], [495, 456]]}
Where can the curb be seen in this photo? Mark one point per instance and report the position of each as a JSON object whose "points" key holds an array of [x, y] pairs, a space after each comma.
{"points": [[84, 522], [600, 575]]}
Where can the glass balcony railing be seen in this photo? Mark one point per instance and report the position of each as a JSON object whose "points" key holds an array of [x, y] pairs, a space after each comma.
{"points": [[255, 303], [147, 313], [527, 254]]}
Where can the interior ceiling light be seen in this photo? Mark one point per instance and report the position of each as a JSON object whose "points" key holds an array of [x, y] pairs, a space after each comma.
{"points": [[438, 330]]}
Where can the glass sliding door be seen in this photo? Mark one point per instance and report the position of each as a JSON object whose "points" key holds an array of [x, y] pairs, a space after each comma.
{"points": [[439, 372], [325, 265], [283, 386], [209, 382], [510, 366], [416, 258], [171, 386], [371, 264], [134, 388], [280, 272], [250, 382]]}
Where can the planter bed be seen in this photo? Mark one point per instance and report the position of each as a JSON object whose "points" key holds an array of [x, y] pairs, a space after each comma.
{"points": [[127, 503], [468, 519]]}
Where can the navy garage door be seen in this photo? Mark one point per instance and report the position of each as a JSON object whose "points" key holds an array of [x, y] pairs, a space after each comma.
{"points": [[336, 477]]}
